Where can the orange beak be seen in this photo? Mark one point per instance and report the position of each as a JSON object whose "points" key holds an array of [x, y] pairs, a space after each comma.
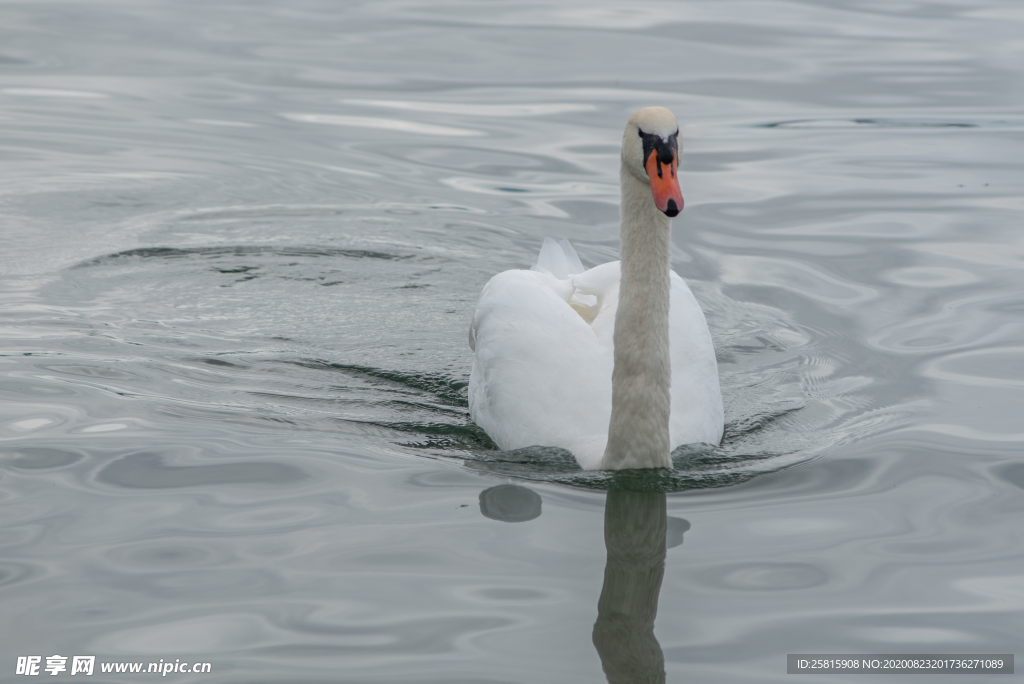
{"points": [[664, 184]]}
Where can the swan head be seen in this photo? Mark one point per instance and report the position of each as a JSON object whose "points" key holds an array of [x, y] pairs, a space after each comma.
{"points": [[650, 150]]}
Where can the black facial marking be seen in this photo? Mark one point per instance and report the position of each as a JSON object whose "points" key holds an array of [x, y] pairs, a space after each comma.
{"points": [[666, 149]]}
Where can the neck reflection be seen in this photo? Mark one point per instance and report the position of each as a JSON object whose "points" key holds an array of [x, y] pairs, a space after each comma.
{"points": [[635, 525]]}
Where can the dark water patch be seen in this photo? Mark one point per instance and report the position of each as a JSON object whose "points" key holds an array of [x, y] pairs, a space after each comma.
{"points": [[742, 429], [651, 481], [38, 458], [147, 470], [455, 207], [13, 573], [443, 436], [210, 361], [447, 390], [510, 503], [717, 458], [554, 465], [163, 556], [866, 123], [536, 460], [240, 269], [1012, 473], [432, 408], [766, 345], [661, 480], [695, 466], [237, 251]]}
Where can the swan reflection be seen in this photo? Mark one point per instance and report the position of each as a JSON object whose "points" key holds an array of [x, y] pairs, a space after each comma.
{"points": [[635, 525], [637, 532]]}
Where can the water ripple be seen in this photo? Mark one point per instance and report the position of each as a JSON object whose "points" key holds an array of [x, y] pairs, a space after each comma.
{"points": [[241, 246]]}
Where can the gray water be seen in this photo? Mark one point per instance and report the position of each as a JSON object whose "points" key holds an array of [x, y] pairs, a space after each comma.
{"points": [[241, 246]]}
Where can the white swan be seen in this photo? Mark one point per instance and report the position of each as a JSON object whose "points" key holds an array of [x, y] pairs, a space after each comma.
{"points": [[618, 369]]}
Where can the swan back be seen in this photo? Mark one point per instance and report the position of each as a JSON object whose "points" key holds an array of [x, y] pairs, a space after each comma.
{"points": [[542, 373]]}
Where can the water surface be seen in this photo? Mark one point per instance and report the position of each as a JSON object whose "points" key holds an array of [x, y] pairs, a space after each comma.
{"points": [[241, 246]]}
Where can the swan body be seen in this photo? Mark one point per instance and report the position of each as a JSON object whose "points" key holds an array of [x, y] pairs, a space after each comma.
{"points": [[613, 363]]}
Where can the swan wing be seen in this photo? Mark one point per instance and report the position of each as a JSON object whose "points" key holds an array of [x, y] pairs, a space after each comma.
{"points": [[696, 395], [541, 376], [558, 259]]}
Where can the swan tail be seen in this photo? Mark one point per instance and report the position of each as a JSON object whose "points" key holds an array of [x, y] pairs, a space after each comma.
{"points": [[558, 259]]}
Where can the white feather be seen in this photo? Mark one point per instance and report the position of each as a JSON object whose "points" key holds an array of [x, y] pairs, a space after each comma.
{"points": [[542, 374]]}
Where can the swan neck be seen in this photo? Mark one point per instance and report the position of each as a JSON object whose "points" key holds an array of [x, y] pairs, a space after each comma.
{"points": [[638, 433]]}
